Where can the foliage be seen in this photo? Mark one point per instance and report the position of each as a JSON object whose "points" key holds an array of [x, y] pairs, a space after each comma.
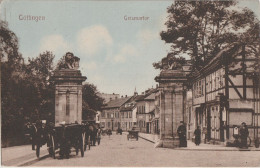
{"points": [[202, 29], [170, 62], [27, 94], [91, 102]]}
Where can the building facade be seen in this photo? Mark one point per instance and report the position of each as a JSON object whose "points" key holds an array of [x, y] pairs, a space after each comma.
{"points": [[110, 114], [225, 93]]}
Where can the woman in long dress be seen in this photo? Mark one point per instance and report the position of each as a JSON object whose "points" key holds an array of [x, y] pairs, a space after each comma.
{"points": [[197, 133]]}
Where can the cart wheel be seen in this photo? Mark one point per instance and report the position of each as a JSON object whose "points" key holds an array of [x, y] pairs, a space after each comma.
{"points": [[52, 148], [82, 145], [38, 151]]}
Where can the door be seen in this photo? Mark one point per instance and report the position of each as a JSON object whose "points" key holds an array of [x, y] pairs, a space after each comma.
{"points": [[147, 127], [208, 124]]}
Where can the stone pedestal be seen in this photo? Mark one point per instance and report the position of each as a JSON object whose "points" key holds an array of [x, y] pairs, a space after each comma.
{"points": [[68, 95], [171, 85]]}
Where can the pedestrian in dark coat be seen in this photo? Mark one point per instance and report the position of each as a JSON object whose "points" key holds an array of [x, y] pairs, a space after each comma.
{"points": [[182, 135], [197, 134], [94, 136], [243, 135]]}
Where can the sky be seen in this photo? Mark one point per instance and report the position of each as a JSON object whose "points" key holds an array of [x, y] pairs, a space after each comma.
{"points": [[115, 54]]}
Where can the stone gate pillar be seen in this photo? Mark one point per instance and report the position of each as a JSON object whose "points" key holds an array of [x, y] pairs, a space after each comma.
{"points": [[68, 93], [171, 84]]}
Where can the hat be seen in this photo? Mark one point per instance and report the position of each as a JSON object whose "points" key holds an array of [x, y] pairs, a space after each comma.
{"points": [[44, 121]]}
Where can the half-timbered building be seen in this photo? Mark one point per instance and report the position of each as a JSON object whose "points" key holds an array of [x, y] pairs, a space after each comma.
{"points": [[225, 93]]}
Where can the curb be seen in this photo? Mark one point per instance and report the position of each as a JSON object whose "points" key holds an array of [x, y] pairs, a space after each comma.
{"points": [[146, 139], [234, 149], [32, 161]]}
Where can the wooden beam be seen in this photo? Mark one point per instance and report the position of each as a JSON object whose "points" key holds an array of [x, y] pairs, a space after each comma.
{"points": [[244, 71], [230, 81]]}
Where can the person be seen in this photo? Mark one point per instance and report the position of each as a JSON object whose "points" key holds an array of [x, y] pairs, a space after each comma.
{"points": [[197, 134], [99, 135], [243, 135], [94, 135], [91, 133], [182, 135]]}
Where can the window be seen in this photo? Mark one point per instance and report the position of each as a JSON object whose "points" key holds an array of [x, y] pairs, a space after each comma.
{"points": [[130, 114], [108, 115], [103, 114]]}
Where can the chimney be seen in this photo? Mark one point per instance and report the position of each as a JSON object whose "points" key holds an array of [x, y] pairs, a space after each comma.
{"points": [[125, 95], [122, 96]]}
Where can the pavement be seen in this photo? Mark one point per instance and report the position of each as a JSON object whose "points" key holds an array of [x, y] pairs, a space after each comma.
{"points": [[117, 151], [202, 147], [24, 155], [21, 155]]}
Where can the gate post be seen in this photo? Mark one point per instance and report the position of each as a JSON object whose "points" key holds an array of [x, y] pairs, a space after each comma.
{"points": [[68, 91], [171, 86]]}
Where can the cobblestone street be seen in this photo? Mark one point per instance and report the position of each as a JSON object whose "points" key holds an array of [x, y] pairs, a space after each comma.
{"points": [[117, 151]]}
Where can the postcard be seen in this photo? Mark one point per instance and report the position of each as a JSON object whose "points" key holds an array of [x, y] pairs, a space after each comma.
{"points": [[111, 83]]}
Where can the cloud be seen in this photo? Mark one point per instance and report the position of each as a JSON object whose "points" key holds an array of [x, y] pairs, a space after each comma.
{"points": [[92, 39], [146, 36], [125, 52], [90, 65], [56, 44]]}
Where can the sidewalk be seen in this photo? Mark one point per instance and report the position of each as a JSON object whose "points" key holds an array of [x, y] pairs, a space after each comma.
{"points": [[21, 155], [191, 145]]}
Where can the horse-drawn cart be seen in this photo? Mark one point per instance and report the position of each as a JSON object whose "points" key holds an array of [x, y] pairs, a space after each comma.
{"points": [[64, 138]]}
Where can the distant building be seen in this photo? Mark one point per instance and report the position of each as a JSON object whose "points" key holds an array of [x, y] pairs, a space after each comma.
{"points": [[98, 116], [110, 114], [128, 115], [108, 97], [146, 111]]}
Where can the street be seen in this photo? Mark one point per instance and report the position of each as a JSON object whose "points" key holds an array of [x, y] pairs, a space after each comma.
{"points": [[117, 151]]}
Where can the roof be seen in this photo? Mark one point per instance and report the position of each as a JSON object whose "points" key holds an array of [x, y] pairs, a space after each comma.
{"points": [[116, 103], [139, 97], [150, 97], [216, 61], [128, 108]]}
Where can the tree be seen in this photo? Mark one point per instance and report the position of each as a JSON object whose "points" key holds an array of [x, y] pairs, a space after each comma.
{"points": [[40, 93], [91, 102], [12, 71], [203, 28]]}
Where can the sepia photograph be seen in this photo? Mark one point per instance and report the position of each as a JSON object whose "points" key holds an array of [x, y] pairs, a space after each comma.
{"points": [[149, 83]]}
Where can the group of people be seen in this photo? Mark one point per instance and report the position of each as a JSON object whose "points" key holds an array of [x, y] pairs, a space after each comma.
{"points": [[243, 134], [39, 131]]}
